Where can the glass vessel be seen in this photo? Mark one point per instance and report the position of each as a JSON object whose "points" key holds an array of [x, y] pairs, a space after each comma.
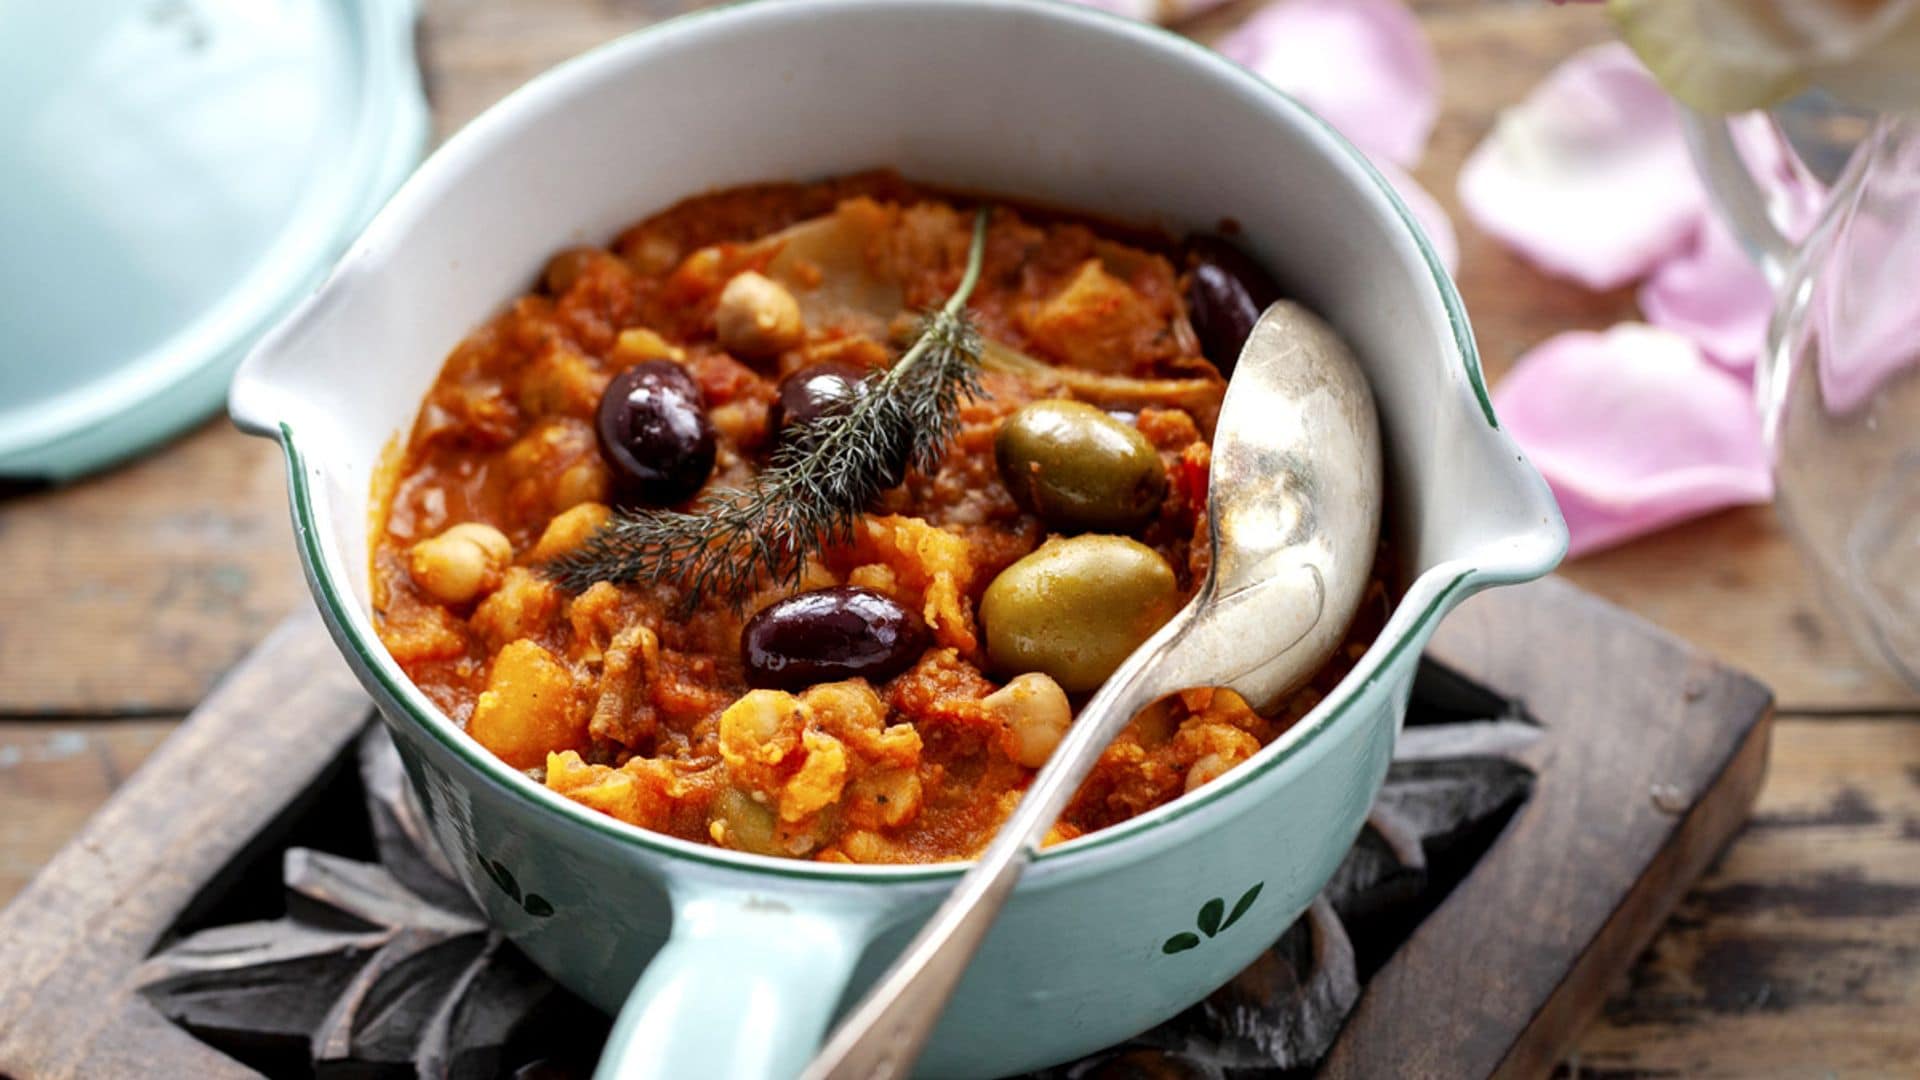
{"points": [[1839, 381]]}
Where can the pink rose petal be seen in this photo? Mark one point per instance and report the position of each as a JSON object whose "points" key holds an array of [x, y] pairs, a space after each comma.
{"points": [[1714, 295], [1795, 196], [1863, 312], [1634, 430], [1713, 292], [1588, 177], [1426, 210], [1363, 65]]}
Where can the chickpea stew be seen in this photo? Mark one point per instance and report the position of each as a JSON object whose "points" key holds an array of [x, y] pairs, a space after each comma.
{"points": [[892, 701]]}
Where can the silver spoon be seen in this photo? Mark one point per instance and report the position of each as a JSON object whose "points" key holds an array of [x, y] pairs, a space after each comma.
{"points": [[1294, 506]]}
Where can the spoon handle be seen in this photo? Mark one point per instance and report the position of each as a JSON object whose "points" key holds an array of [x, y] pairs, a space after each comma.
{"points": [[883, 1035]]}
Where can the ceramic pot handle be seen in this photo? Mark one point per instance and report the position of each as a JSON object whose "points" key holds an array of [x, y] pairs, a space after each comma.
{"points": [[1736, 195], [744, 988]]}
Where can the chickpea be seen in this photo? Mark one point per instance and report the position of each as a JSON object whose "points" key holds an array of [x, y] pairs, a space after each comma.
{"points": [[460, 563], [569, 529], [651, 253], [741, 421], [1226, 746], [560, 383], [757, 317], [1036, 716], [1209, 768]]}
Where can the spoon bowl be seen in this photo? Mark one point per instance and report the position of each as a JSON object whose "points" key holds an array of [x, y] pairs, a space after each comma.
{"points": [[1294, 510]]}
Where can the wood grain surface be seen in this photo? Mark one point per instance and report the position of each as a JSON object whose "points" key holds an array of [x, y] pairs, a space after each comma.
{"points": [[1799, 955], [125, 598], [53, 776]]}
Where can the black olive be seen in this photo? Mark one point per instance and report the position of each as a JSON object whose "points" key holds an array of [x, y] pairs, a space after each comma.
{"points": [[825, 389], [813, 392], [654, 434], [830, 634], [1226, 293]]}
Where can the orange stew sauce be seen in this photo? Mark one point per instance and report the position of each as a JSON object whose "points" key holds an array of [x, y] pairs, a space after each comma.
{"points": [[618, 697]]}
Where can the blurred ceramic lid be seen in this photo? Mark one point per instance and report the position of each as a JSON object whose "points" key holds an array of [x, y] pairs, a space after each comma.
{"points": [[177, 174]]}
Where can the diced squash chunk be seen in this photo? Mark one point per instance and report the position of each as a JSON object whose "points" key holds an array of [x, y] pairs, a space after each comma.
{"points": [[931, 569], [641, 792], [1094, 322], [819, 780], [639, 343], [421, 634], [529, 708]]}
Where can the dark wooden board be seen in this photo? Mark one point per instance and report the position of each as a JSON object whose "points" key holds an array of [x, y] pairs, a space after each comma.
{"points": [[1653, 758], [1650, 761], [71, 938]]}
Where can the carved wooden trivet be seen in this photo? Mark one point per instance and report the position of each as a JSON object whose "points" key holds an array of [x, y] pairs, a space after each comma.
{"points": [[1473, 949], [377, 966]]}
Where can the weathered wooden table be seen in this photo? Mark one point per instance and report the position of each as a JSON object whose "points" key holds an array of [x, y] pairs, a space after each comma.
{"points": [[124, 598]]}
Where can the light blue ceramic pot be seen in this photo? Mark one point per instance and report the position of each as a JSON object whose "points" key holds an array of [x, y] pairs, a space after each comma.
{"points": [[746, 959]]}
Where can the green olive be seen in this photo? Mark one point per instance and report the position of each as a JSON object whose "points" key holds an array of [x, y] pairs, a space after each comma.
{"points": [[1079, 468], [1076, 607]]}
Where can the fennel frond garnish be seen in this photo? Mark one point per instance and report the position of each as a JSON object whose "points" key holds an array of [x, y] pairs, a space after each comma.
{"points": [[734, 540]]}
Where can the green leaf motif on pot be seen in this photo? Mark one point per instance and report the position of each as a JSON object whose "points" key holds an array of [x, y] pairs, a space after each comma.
{"points": [[1210, 914], [1179, 943], [1246, 901], [532, 903], [1210, 921], [502, 877]]}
